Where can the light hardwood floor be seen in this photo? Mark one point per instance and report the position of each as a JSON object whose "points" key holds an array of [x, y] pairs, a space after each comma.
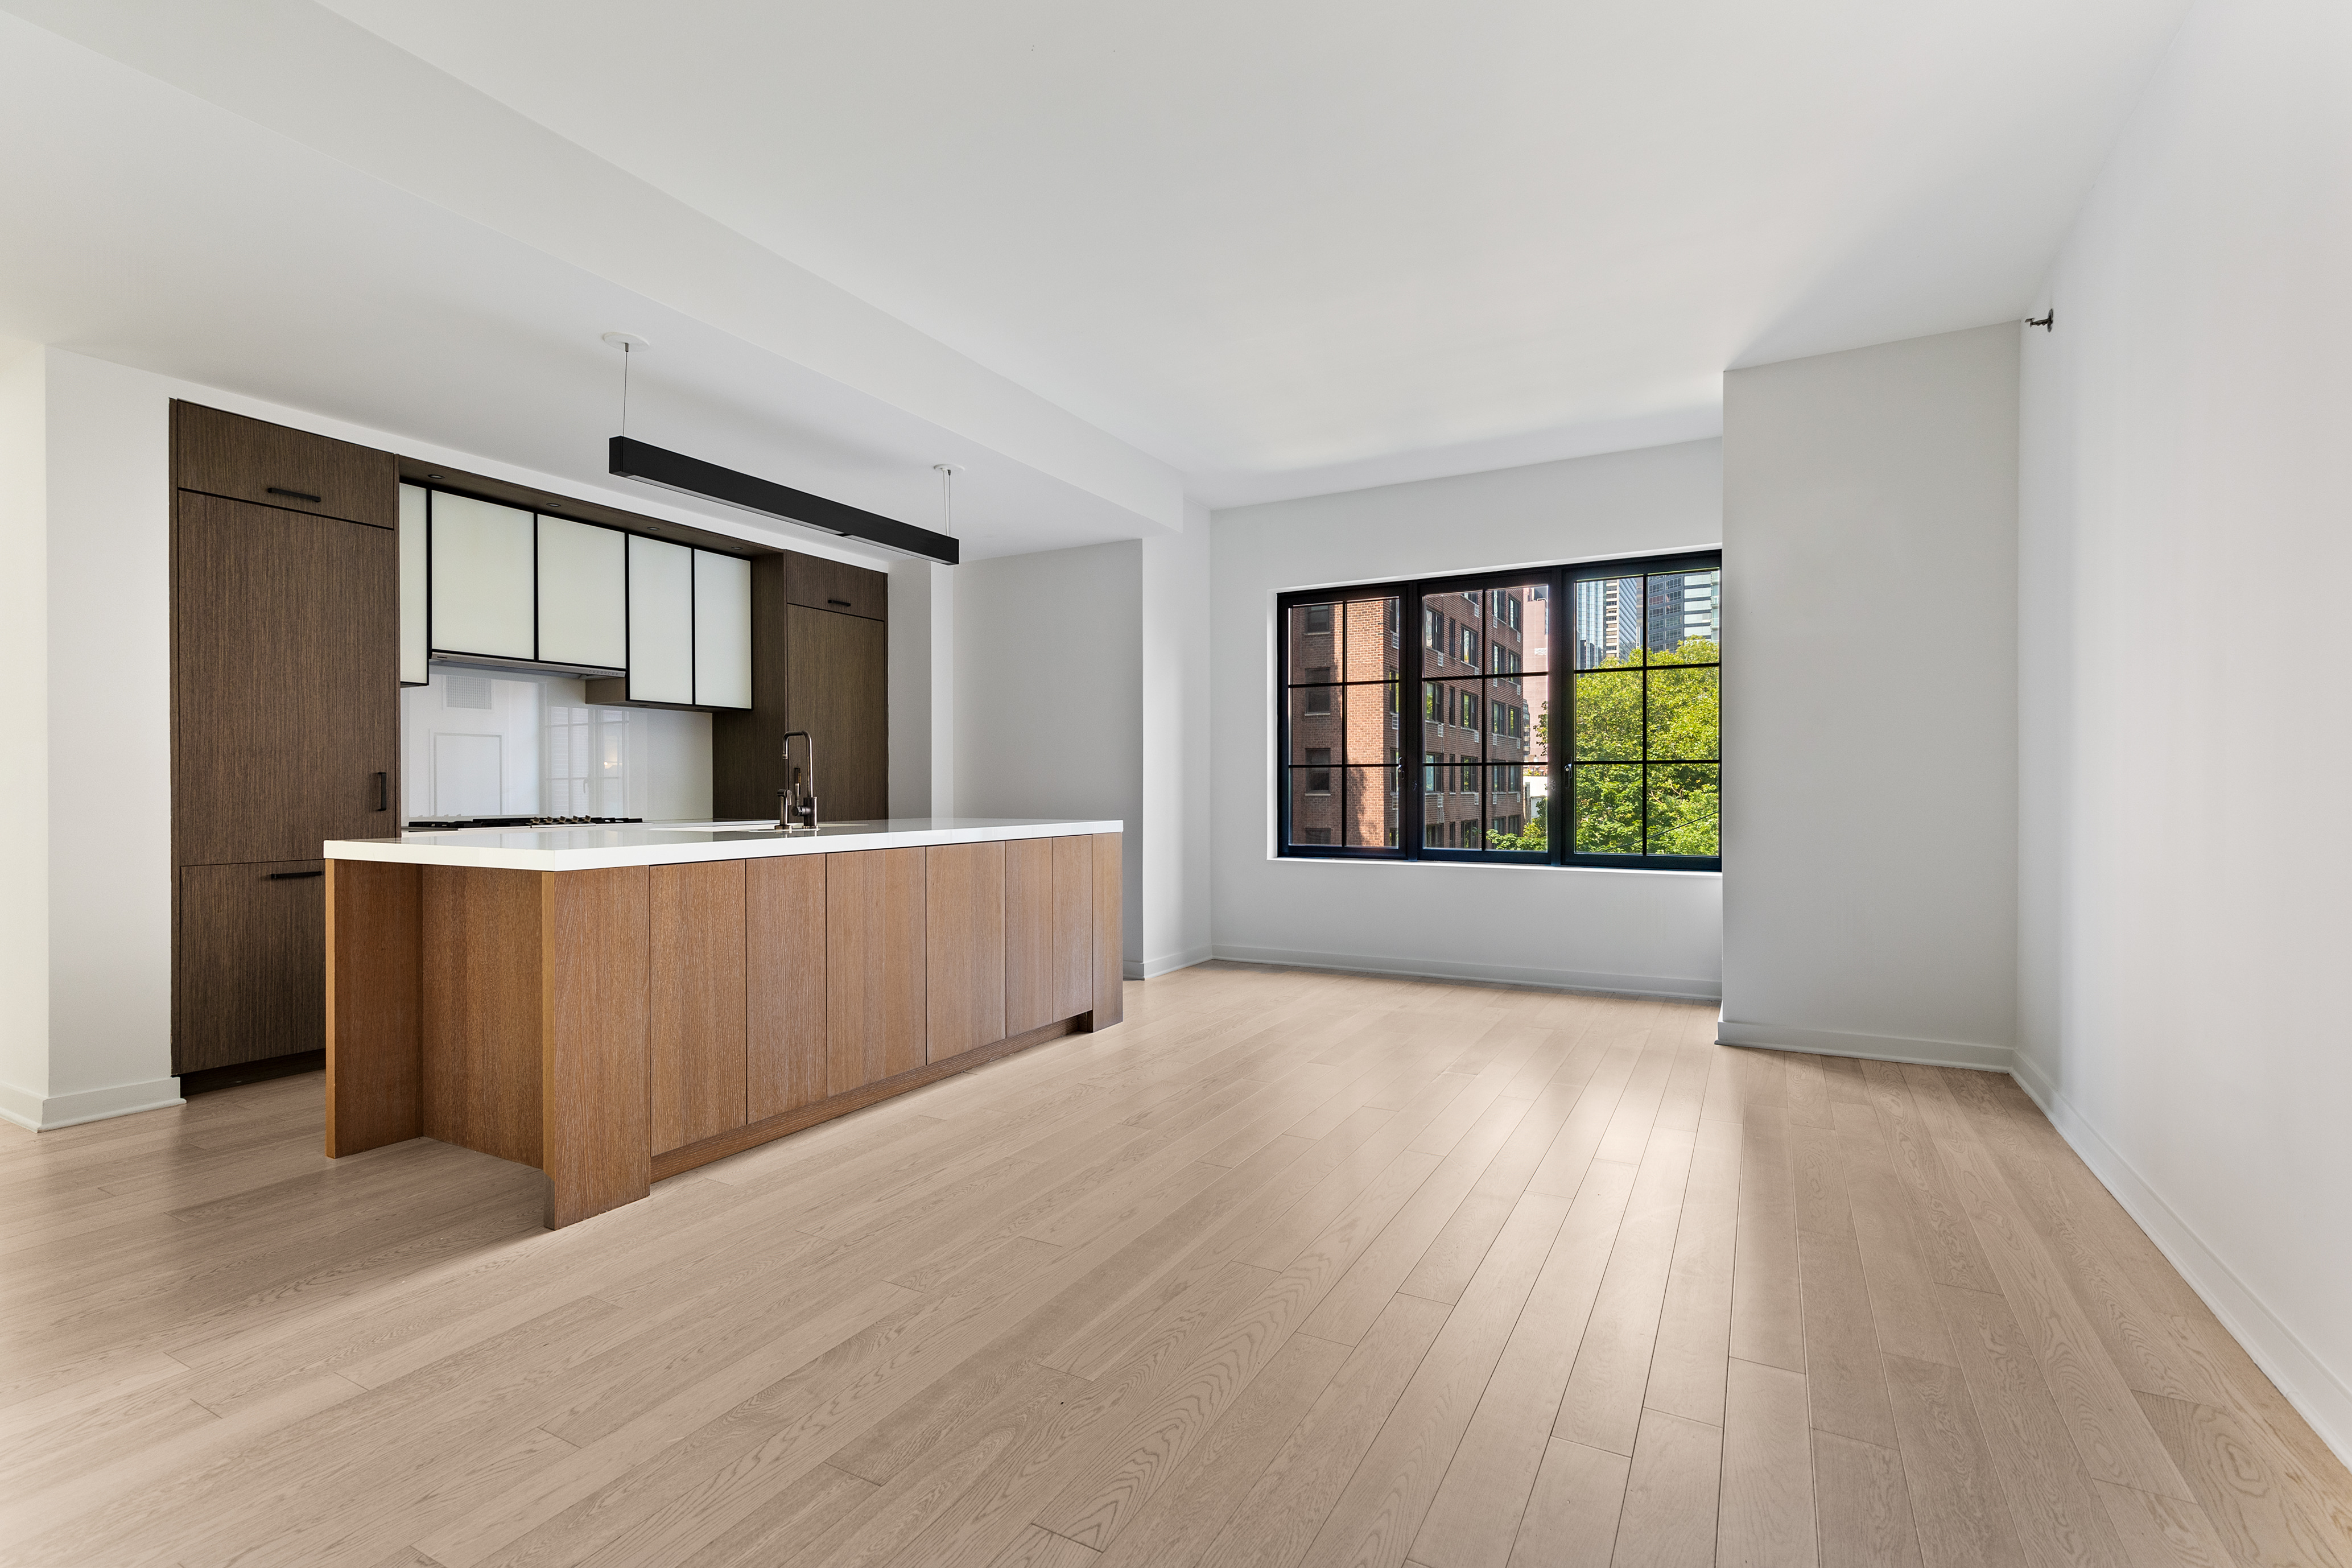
{"points": [[1287, 1270]]}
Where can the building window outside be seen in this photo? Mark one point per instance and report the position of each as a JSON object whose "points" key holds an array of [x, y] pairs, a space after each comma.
{"points": [[1628, 651], [1343, 720]]}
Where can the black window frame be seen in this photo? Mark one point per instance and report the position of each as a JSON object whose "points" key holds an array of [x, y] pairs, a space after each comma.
{"points": [[1418, 763]]}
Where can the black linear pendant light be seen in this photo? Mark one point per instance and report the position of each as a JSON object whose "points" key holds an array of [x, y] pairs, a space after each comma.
{"points": [[642, 460]]}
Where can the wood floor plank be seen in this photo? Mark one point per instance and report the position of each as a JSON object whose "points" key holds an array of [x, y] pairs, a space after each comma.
{"points": [[1765, 1517], [1571, 1515], [1841, 1349], [1957, 1508], [2092, 1397], [1694, 1345], [1602, 1405], [1074, 1306], [1277, 1519], [1862, 1504], [1768, 1319], [2059, 1518], [2163, 1533], [2264, 1509], [1188, 1511], [1376, 1515], [1671, 1489], [1473, 1519]]}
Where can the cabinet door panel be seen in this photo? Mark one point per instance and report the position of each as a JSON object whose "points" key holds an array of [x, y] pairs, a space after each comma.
{"points": [[1029, 990], [253, 962], [661, 621], [484, 589], [697, 1027], [838, 667], [963, 901], [270, 465], [722, 630], [1073, 926], [784, 975], [874, 1007], [415, 633], [583, 593], [823, 584], [286, 676]]}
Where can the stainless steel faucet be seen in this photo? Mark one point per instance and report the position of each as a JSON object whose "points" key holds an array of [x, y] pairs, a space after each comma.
{"points": [[796, 808]]}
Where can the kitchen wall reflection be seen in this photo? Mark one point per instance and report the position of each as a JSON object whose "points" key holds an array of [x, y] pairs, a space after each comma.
{"points": [[513, 743]]}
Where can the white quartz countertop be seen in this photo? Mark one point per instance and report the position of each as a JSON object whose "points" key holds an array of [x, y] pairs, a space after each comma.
{"points": [[677, 843]]}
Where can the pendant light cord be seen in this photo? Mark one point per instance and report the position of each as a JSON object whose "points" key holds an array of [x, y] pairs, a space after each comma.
{"points": [[625, 389], [947, 497]]}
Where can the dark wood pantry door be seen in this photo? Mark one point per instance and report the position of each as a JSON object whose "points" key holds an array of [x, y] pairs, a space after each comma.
{"points": [[285, 733], [285, 712]]}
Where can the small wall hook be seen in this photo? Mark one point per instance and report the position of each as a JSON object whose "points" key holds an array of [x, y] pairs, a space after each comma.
{"points": [[2045, 320]]}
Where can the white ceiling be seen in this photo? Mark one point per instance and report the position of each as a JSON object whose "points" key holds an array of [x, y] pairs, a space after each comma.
{"points": [[1286, 247], [1254, 250]]}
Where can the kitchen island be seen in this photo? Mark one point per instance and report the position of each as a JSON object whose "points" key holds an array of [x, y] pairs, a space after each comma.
{"points": [[616, 1005]]}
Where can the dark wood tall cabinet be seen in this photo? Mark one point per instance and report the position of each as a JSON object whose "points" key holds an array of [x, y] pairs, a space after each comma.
{"points": [[820, 662], [285, 717]]}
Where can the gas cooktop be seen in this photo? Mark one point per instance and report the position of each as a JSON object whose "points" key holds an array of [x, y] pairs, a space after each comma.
{"points": [[450, 823]]}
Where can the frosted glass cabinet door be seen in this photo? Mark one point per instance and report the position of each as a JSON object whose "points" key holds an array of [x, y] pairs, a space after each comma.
{"points": [[416, 661], [583, 593], [482, 578], [661, 621], [722, 630]]}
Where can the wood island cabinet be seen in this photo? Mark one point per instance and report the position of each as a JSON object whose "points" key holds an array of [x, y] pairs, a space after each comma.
{"points": [[964, 947], [875, 969], [615, 1026], [698, 1002]]}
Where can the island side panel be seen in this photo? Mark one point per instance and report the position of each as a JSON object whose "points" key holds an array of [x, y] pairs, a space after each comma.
{"points": [[373, 997], [595, 1020], [964, 947], [1110, 950], [696, 967], [479, 1043], [784, 983]]}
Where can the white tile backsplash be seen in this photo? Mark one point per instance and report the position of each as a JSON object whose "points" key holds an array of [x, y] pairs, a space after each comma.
{"points": [[478, 742]]}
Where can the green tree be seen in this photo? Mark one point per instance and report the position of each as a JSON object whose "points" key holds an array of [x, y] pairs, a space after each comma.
{"points": [[1683, 729]]}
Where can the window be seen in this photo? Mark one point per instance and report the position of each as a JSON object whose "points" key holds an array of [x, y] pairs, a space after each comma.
{"points": [[1343, 719], [1627, 652]]}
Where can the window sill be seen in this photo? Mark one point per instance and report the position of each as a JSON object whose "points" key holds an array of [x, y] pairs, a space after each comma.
{"points": [[1486, 866]]}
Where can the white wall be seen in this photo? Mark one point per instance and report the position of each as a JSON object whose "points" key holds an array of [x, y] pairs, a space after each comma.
{"points": [[2187, 533], [1870, 700], [23, 776], [93, 1038], [1177, 777], [1049, 695], [922, 689], [1649, 931]]}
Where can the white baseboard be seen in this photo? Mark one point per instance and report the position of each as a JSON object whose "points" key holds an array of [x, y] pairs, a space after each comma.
{"points": [[45, 1114], [1873, 1048], [1168, 963], [2320, 1396], [1669, 987]]}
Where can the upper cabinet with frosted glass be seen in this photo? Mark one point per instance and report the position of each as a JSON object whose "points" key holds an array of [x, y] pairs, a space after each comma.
{"points": [[500, 583]]}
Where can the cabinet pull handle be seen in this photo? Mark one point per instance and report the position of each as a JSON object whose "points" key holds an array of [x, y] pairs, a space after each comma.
{"points": [[843, 603], [383, 792], [293, 876], [297, 495]]}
